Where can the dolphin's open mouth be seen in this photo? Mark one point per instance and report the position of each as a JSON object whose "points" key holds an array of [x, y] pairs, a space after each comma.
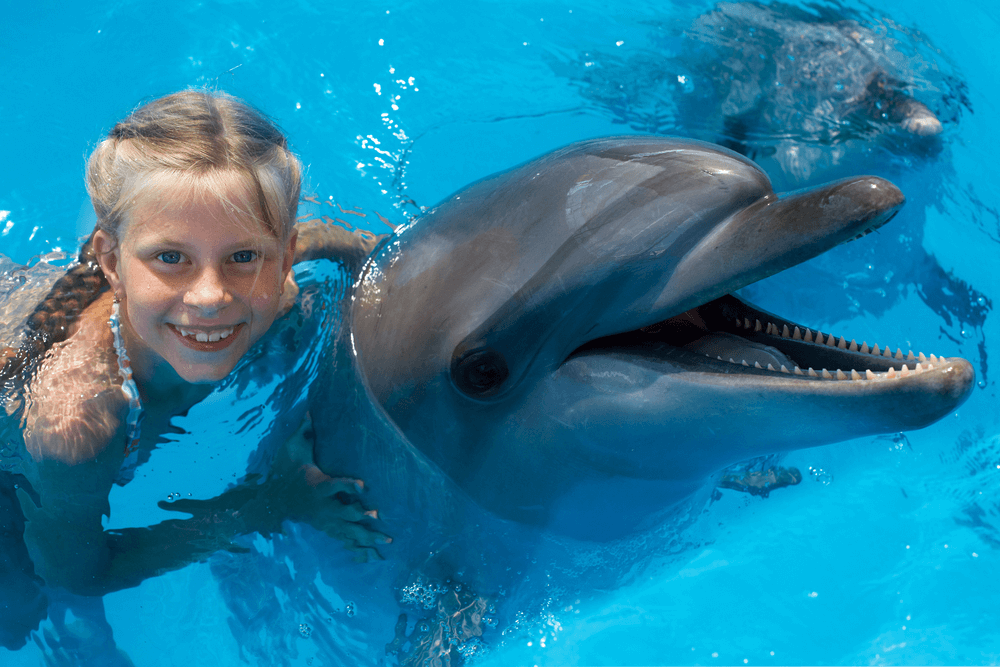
{"points": [[728, 335]]}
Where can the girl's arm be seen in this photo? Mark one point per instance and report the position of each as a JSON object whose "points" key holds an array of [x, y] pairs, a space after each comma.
{"points": [[296, 490], [74, 431], [70, 548]]}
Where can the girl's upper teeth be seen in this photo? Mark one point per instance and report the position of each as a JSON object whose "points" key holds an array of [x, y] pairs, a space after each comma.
{"points": [[205, 337]]}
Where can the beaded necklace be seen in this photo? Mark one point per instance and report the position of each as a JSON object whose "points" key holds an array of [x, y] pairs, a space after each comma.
{"points": [[131, 392]]}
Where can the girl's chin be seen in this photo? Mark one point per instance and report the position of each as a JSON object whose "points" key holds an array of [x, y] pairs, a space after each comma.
{"points": [[202, 378], [204, 373]]}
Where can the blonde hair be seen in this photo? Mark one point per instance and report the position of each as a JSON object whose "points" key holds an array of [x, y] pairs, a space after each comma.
{"points": [[202, 139]]}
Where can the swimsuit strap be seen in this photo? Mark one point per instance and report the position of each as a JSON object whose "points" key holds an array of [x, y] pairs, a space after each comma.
{"points": [[131, 392]]}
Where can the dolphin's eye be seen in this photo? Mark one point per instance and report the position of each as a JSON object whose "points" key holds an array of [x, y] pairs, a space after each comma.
{"points": [[480, 372]]}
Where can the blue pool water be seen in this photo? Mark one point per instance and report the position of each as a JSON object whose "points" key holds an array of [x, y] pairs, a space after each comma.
{"points": [[887, 552]]}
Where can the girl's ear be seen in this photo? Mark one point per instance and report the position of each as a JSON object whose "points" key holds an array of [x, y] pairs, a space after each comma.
{"points": [[289, 258], [108, 256]]}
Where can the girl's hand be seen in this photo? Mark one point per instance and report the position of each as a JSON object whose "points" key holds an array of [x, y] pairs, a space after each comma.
{"points": [[297, 490], [330, 504]]}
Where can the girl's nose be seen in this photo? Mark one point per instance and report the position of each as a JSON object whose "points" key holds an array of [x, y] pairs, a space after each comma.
{"points": [[208, 293]]}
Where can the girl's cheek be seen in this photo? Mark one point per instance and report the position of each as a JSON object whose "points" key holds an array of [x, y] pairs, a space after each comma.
{"points": [[265, 296]]}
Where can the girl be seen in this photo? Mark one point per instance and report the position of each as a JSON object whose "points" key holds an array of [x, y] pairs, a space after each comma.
{"points": [[189, 265]]}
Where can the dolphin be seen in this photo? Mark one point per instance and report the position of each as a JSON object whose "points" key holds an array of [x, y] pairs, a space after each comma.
{"points": [[561, 342]]}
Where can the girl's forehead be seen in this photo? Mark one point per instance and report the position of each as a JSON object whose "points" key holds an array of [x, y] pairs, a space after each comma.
{"points": [[168, 208]]}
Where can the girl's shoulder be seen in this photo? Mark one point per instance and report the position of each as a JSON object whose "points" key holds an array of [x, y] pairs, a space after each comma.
{"points": [[75, 407]]}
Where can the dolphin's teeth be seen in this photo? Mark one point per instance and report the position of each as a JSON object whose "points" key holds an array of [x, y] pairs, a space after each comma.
{"points": [[887, 353], [935, 359], [757, 327], [854, 346], [899, 354], [921, 357], [785, 333], [864, 348], [731, 360], [746, 364], [930, 367], [770, 367], [813, 373], [909, 356], [739, 323], [797, 334], [842, 344], [840, 375], [797, 371], [891, 373], [756, 364], [746, 323], [918, 368], [826, 375], [869, 375], [904, 372], [767, 329], [808, 337], [854, 375], [720, 358], [876, 351], [784, 369], [831, 341]]}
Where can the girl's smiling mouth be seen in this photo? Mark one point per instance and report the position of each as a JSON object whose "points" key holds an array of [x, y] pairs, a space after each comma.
{"points": [[205, 340]]}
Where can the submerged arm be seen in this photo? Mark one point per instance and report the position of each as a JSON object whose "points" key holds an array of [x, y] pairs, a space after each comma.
{"points": [[75, 434], [70, 548]]}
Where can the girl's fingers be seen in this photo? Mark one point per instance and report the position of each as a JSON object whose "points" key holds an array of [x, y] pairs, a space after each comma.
{"points": [[333, 510], [335, 485], [359, 535]]}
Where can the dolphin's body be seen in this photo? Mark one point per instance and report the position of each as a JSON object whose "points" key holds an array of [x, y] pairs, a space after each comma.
{"points": [[547, 342]]}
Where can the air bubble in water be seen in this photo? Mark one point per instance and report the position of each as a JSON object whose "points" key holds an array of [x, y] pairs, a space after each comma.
{"points": [[305, 630], [821, 476]]}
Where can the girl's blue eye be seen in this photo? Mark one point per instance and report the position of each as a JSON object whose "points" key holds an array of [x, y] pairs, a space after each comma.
{"points": [[169, 257], [244, 256]]}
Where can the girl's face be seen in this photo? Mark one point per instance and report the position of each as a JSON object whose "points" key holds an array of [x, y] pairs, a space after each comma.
{"points": [[197, 287]]}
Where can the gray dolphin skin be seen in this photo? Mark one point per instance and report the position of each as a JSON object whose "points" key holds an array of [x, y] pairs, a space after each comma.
{"points": [[561, 342]]}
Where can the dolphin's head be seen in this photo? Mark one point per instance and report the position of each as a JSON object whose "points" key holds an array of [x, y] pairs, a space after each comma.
{"points": [[563, 342]]}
